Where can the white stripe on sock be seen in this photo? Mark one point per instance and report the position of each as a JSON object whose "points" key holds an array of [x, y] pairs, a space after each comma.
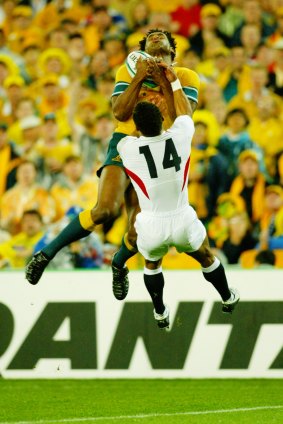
{"points": [[212, 267]]}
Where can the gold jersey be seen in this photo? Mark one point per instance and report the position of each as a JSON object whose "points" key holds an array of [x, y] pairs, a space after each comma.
{"points": [[189, 81]]}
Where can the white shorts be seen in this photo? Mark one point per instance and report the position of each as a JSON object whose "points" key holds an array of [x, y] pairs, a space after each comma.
{"points": [[157, 233]]}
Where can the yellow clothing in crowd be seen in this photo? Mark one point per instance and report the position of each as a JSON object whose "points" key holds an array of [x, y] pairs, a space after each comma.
{"points": [[267, 134], [11, 249], [198, 190], [6, 165], [257, 196], [57, 152], [83, 194], [16, 200]]}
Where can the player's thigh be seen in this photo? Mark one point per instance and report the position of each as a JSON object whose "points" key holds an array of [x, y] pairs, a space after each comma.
{"points": [[188, 231], [203, 254], [133, 208], [152, 237], [112, 185]]}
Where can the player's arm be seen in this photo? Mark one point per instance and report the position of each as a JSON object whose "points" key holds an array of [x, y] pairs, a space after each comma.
{"points": [[181, 103], [157, 74], [123, 104]]}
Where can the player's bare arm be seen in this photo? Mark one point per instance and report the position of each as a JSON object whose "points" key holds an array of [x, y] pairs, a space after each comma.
{"points": [[181, 103], [157, 74], [193, 105], [123, 105]]}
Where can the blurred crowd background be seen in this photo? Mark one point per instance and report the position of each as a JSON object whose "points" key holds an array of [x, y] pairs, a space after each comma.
{"points": [[58, 61]]}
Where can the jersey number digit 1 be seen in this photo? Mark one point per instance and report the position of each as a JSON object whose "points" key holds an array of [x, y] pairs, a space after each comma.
{"points": [[170, 158]]}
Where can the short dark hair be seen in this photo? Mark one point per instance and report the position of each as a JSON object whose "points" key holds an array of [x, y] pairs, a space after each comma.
{"points": [[148, 119], [237, 110], [171, 40], [266, 257], [33, 212]]}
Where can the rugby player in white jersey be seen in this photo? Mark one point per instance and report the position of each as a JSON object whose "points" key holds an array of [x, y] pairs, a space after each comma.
{"points": [[157, 163]]}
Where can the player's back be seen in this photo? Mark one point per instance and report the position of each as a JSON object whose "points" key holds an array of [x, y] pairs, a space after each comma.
{"points": [[158, 167]]}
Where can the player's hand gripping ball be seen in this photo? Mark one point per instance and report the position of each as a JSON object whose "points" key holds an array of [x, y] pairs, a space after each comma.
{"points": [[131, 63]]}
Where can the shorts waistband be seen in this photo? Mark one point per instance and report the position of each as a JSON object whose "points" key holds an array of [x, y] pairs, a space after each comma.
{"points": [[165, 214]]}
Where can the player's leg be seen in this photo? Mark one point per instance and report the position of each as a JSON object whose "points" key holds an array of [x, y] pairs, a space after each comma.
{"points": [[129, 243], [214, 272], [151, 242], [112, 185], [127, 249], [154, 283]]}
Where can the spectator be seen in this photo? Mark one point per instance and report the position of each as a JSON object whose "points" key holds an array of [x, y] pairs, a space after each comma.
{"points": [[202, 39], [93, 147], [248, 99], [274, 78], [115, 48], [50, 96], [227, 206], [250, 185], [30, 51], [73, 187], [25, 107], [207, 174], [138, 16], [239, 238], [26, 194], [277, 35], [271, 224], [98, 66], [77, 54], [266, 130], [235, 140], [186, 17], [57, 62], [253, 15], [58, 37], [14, 86], [232, 17], [30, 127], [15, 252], [52, 149], [265, 257], [9, 160], [235, 77], [250, 38]]}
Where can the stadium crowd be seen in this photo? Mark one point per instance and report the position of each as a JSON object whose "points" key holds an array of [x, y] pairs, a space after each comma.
{"points": [[58, 61]]}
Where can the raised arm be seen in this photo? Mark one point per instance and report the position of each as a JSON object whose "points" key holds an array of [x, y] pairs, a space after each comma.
{"points": [[181, 103], [123, 105]]}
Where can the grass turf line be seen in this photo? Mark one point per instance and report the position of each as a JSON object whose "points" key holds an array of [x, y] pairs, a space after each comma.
{"points": [[34, 400]]}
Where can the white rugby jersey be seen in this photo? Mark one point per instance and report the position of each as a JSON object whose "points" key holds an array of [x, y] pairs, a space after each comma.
{"points": [[158, 166]]}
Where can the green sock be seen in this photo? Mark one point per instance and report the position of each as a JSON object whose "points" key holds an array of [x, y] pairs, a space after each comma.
{"points": [[123, 254], [73, 232]]}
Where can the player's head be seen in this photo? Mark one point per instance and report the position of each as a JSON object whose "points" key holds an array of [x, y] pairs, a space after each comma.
{"points": [[171, 41], [148, 119]]}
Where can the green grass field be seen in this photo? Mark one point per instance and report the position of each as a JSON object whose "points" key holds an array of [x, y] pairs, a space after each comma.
{"points": [[141, 401]]}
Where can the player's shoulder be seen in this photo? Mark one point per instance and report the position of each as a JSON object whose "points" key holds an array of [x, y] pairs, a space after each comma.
{"points": [[182, 122], [122, 74], [126, 141], [187, 76]]}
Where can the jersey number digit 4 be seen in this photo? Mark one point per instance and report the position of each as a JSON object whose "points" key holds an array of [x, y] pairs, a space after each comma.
{"points": [[170, 158]]}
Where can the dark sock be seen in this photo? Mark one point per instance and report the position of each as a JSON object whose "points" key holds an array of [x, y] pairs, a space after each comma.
{"points": [[73, 232], [123, 254], [218, 279], [154, 284]]}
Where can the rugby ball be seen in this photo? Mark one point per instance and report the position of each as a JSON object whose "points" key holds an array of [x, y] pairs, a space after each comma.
{"points": [[131, 63]]}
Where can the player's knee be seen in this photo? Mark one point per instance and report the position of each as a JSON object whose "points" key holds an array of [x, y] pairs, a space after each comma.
{"points": [[208, 258], [102, 214], [132, 237]]}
